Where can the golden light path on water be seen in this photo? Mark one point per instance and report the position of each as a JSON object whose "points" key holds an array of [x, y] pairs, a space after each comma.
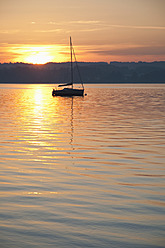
{"points": [[83, 171]]}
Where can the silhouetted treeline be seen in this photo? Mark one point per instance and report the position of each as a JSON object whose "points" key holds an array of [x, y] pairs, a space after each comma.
{"points": [[101, 72]]}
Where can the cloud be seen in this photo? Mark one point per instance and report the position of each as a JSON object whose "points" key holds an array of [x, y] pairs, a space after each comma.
{"points": [[84, 22], [97, 25], [138, 27], [130, 50], [14, 31], [72, 26], [85, 30], [106, 24], [49, 30]]}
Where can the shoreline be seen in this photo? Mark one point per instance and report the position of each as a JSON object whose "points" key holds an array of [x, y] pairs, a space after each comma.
{"points": [[83, 82]]}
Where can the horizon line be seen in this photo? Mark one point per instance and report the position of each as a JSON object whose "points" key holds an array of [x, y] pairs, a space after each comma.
{"points": [[65, 62]]}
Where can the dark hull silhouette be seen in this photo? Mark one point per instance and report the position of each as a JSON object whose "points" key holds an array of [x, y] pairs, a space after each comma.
{"points": [[68, 92]]}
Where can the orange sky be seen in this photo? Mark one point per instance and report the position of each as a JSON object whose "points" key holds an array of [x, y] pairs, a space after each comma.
{"points": [[37, 31]]}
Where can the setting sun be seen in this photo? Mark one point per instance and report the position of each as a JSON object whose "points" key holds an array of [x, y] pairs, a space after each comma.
{"points": [[38, 54], [39, 58]]}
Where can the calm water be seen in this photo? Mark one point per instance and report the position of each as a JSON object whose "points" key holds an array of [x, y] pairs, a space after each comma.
{"points": [[82, 172]]}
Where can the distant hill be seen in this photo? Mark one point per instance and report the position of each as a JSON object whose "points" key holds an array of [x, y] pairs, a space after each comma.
{"points": [[101, 72]]}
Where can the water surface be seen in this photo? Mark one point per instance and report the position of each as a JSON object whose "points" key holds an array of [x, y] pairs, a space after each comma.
{"points": [[82, 171]]}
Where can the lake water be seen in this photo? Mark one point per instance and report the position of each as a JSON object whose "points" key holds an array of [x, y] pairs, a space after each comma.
{"points": [[84, 171]]}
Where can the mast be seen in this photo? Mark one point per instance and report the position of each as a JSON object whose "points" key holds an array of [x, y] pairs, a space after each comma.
{"points": [[77, 68], [71, 64]]}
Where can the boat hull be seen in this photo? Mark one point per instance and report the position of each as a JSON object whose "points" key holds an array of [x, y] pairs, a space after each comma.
{"points": [[68, 92]]}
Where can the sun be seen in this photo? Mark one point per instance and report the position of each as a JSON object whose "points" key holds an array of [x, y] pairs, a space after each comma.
{"points": [[38, 55], [39, 58]]}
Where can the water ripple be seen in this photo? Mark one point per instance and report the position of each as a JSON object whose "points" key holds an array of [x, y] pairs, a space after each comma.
{"points": [[82, 172]]}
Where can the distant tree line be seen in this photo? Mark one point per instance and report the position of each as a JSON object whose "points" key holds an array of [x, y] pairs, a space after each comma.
{"points": [[101, 72]]}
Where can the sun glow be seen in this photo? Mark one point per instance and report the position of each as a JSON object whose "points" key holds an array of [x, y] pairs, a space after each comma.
{"points": [[39, 58], [39, 54]]}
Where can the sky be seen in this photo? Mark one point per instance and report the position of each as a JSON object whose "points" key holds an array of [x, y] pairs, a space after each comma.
{"points": [[38, 31]]}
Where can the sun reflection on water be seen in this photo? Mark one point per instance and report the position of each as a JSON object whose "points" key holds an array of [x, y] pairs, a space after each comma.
{"points": [[89, 165], [45, 122]]}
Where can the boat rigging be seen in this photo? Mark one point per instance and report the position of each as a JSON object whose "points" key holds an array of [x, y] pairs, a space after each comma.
{"points": [[70, 91]]}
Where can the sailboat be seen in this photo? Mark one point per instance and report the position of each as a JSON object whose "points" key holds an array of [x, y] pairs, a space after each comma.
{"points": [[70, 91]]}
